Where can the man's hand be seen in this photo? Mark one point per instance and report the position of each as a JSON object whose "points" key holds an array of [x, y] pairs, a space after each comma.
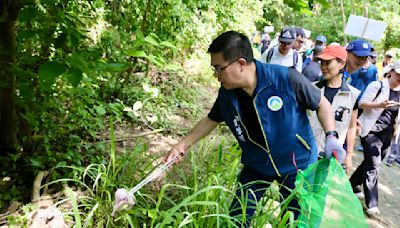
{"points": [[332, 144], [179, 149]]}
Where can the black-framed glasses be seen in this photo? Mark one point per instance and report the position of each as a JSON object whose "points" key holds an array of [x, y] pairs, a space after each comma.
{"points": [[218, 70]]}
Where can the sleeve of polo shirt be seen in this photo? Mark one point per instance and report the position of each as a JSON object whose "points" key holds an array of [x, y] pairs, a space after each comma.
{"points": [[308, 95], [215, 112]]}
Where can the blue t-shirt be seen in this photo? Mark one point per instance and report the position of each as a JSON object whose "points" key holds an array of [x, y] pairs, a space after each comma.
{"points": [[362, 77]]}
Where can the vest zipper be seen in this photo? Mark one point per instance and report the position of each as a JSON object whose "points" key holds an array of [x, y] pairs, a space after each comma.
{"points": [[265, 138], [303, 141]]}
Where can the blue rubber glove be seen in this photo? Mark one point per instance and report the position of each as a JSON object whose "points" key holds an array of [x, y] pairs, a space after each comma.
{"points": [[332, 144]]}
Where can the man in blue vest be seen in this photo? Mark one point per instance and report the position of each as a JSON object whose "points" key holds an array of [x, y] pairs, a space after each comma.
{"points": [[264, 105]]}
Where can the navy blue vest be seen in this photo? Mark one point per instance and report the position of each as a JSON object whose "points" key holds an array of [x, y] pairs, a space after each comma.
{"points": [[289, 141]]}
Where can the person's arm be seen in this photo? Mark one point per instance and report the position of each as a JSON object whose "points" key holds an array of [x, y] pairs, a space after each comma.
{"points": [[383, 104], [202, 128], [350, 139], [367, 101], [325, 115], [327, 120]]}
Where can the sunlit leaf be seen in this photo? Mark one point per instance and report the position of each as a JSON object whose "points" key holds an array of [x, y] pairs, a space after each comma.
{"points": [[137, 106], [137, 54], [146, 87], [173, 67], [100, 110], [152, 118], [154, 60], [167, 44], [151, 40]]}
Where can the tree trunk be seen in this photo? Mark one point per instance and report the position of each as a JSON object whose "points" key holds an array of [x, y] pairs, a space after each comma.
{"points": [[365, 6], [343, 19], [333, 20], [8, 13]]}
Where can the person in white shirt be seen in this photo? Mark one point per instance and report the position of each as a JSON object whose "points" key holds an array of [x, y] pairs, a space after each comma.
{"points": [[283, 54], [379, 120]]}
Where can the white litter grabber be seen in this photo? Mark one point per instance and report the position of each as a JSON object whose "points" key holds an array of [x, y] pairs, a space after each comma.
{"points": [[125, 199]]}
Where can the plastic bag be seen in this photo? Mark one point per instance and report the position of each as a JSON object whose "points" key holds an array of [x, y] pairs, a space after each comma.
{"points": [[326, 197]]}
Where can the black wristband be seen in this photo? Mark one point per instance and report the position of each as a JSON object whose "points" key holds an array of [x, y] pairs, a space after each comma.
{"points": [[334, 133]]}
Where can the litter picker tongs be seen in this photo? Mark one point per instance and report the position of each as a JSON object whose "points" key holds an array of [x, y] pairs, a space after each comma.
{"points": [[125, 199]]}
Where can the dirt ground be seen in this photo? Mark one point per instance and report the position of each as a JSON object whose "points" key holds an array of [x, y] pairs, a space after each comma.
{"points": [[389, 195]]}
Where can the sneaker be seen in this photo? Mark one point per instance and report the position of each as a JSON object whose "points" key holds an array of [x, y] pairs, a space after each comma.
{"points": [[360, 148], [373, 211], [360, 195]]}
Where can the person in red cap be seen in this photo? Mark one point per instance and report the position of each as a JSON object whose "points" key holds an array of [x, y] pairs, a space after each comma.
{"points": [[342, 97]]}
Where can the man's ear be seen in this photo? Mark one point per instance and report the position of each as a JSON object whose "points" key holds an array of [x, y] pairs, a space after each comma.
{"points": [[242, 61]]}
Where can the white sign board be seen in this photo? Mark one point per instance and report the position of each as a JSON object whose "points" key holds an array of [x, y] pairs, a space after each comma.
{"points": [[307, 32], [365, 28], [268, 29]]}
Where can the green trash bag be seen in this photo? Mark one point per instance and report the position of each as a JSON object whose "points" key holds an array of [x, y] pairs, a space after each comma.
{"points": [[326, 197]]}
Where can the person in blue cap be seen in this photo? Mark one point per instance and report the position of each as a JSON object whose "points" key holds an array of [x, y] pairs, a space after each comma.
{"points": [[362, 71], [264, 105], [309, 55], [320, 41]]}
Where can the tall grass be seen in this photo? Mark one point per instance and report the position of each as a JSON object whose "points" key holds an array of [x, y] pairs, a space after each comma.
{"points": [[198, 192]]}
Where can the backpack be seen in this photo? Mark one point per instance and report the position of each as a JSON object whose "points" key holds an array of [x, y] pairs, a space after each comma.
{"points": [[295, 56]]}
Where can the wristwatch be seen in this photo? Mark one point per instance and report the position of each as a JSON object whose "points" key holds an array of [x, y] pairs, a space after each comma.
{"points": [[334, 133]]}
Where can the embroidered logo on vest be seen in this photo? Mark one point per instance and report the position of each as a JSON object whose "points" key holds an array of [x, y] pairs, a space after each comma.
{"points": [[275, 103], [238, 129]]}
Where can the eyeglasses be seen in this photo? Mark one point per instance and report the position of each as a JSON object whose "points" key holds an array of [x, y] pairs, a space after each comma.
{"points": [[388, 56], [218, 70]]}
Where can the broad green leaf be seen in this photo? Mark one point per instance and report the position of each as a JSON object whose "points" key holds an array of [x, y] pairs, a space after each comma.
{"points": [[152, 213], [74, 77], [167, 44], [49, 71], [151, 40], [137, 54], [100, 110], [153, 59], [324, 3], [117, 66], [173, 67]]}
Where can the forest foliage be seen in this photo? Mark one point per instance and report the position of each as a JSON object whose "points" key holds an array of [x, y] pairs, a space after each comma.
{"points": [[68, 67]]}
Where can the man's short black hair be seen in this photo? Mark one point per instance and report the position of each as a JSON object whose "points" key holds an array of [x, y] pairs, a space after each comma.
{"points": [[233, 45], [300, 32]]}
